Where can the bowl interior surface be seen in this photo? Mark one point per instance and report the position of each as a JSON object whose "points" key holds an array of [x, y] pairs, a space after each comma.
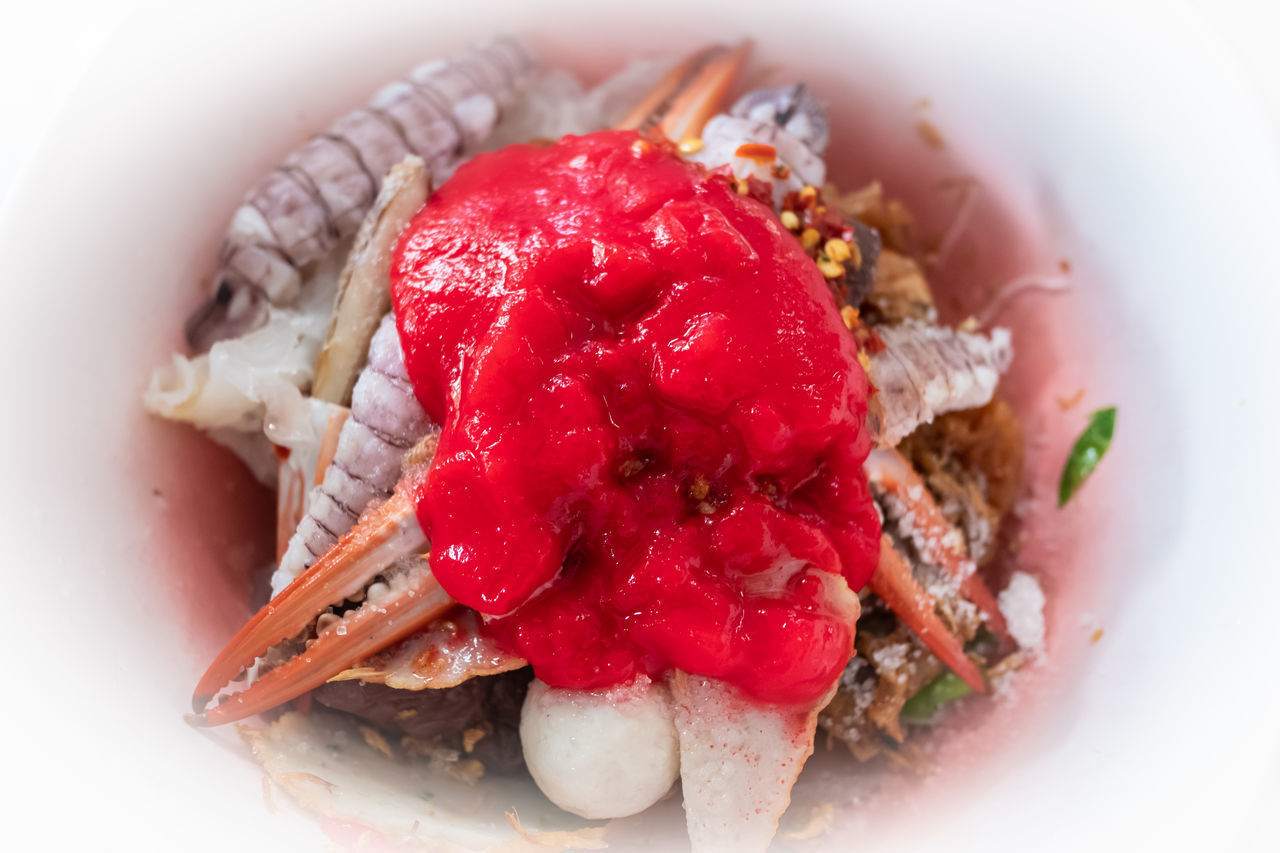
{"points": [[1146, 168]]}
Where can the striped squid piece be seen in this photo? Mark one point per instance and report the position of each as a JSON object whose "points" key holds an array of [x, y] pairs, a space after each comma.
{"points": [[319, 195], [925, 371]]}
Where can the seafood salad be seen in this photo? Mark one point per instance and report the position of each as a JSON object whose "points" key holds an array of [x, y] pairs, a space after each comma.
{"points": [[613, 447]]}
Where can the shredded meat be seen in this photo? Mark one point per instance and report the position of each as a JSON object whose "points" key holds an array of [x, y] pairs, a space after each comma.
{"points": [[902, 667], [888, 670], [972, 463], [889, 217], [899, 291]]}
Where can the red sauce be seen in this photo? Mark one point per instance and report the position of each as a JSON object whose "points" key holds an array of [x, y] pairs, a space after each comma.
{"points": [[653, 420]]}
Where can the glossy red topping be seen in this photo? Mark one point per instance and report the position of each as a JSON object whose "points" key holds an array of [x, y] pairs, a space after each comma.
{"points": [[653, 420]]}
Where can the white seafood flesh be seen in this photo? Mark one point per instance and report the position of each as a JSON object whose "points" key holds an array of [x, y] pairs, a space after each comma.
{"points": [[739, 759], [601, 753], [789, 121], [364, 289], [445, 654]]}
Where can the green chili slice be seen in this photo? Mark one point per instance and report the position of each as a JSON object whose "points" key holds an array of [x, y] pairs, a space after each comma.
{"points": [[924, 704], [1087, 452]]}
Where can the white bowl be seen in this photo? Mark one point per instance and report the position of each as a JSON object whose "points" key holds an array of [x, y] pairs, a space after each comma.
{"points": [[1123, 143]]}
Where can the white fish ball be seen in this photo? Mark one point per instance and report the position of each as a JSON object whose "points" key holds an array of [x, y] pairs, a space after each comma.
{"points": [[601, 753]]}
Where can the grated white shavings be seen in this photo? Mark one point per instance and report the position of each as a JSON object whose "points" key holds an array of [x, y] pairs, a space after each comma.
{"points": [[966, 611], [1002, 684], [863, 691], [906, 519], [1022, 605], [889, 658], [928, 547], [936, 582], [863, 695], [849, 678], [978, 529]]}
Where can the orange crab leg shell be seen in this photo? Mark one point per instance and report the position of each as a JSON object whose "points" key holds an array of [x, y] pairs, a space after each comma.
{"points": [[894, 584], [705, 96], [939, 542], [658, 102], [382, 536], [360, 634]]}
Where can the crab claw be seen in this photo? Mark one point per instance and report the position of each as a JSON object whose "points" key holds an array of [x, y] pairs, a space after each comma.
{"points": [[705, 96], [689, 94], [388, 541], [658, 102], [893, 582], [937, 541]]}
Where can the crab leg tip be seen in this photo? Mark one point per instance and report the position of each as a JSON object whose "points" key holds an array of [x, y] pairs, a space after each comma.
{"points": [[197, 720], [367, 631], [894, 583], [694, 106], [383, 538], [658, 102], [889, 469]]}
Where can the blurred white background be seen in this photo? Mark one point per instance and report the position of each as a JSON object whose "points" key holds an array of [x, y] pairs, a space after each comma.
{"points": [[46, 48]]}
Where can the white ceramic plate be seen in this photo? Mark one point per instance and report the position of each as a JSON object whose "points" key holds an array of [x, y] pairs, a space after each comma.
{"points": [[1116, 137]]}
